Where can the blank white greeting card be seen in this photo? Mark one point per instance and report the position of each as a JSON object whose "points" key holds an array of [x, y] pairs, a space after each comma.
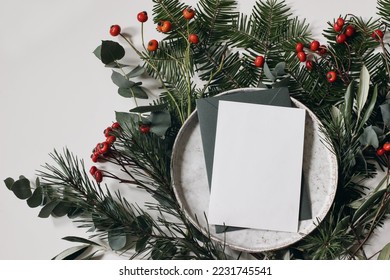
{"points": [[257, 168]]}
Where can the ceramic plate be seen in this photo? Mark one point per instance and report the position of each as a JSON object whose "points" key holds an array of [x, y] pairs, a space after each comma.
{"points": [[189, 178]]}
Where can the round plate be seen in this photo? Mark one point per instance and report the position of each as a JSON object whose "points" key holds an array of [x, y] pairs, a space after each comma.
{"points": [[190, 184]]}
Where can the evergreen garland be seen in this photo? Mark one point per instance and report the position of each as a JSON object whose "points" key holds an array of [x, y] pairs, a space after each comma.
{"points": [[353, 109]]}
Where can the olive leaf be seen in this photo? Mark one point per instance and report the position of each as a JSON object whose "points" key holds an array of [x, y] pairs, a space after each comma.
{"points": [[364, 86]]}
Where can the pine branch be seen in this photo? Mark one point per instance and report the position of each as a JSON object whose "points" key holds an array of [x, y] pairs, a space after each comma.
{"points": [[214, 19], [383, 7]]}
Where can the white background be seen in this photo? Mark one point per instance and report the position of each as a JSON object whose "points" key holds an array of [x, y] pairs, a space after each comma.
{"points": [[55, 93]]}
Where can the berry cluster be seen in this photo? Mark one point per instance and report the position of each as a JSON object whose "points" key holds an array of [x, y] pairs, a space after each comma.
{"points": [[96, 173], [163, 26], [344, 31], [385, 149], [311, 49], [102, 149]]}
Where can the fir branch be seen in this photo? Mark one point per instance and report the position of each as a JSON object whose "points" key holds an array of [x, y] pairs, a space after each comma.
{"points": [[215, 19]]}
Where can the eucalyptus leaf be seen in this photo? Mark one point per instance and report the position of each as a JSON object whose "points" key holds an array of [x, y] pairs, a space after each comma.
{"points": [[133, 92], [385, 110], [116, 65], [364, 86], [9, 182], [120, 80], [48, 209], [282, 83], [139, 92], [267, 72], [150, 108], [369, 137], [111, 51], [97, 52], [160, 122], [36, 199], [61, 209], [137, 71], [71, 253], [21, 188], [279, 69], [80, 239], [126, 119], [370, 107], [116, 240], [385, 253]]}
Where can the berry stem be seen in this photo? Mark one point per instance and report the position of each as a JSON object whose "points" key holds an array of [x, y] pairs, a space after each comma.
{"points": [[142, 36]]}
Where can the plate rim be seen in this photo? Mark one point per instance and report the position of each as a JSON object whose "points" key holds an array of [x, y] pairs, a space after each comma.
{"points": [[206, 231]]}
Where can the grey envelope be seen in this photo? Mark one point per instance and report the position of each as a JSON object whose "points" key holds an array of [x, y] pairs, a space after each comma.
{"points": [[207, 109]]}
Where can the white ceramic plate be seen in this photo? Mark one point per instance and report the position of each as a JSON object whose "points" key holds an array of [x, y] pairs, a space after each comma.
{"points": [[189, 178]]}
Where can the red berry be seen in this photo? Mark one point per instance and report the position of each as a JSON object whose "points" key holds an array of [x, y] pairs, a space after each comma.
{"points": [[142, 16], [349, 31], [259, 61], [152, 45], [144, 128], [301, 56], [380, 152], [337, 27], [193, 39], [115, 30], [377, 34], [188, 13], [97, 149], [340, 22], [309, 65], [322, 50], [166, 26], [299, 47], [314, 45], [340, 39], [331, 76], [98, 176], [107, 131], [110, 139], [386, 146], [95, 157], [115, 125], [103, 147], [93, 170], [159, 25]]}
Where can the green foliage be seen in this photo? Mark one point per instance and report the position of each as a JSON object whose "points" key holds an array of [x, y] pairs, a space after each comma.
{"points": [[110, 52], [354, 111], [384, 10], [332, 239], [385, 253]]}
